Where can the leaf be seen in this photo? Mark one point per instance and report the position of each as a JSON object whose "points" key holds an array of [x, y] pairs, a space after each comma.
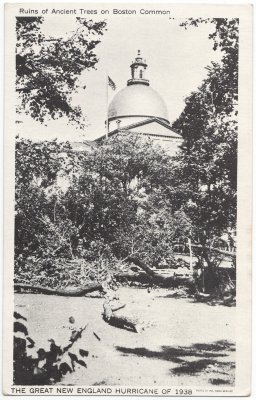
{"points": [[83, 353], [64, 368], [41, 354], [81, 362], [73, 357], [19, 316], [19, 327], [31, 341]]}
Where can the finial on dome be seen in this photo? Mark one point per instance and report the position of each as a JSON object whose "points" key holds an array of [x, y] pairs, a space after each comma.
{"points": [[138, 68]]}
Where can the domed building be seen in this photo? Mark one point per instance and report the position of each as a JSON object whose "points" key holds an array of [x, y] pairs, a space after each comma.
{"points": [[140, 109]]}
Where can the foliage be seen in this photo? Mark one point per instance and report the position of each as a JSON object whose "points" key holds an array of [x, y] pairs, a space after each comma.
{"points": [[128, 197], [49, 366], [47, 68], [224, 76], [120, 198], [206, 169], [116, 204], [40, 224]]}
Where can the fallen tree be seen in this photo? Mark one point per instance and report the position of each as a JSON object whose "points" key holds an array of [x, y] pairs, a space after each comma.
{"points": [[76, 292], [147, 276], [142, 265]]}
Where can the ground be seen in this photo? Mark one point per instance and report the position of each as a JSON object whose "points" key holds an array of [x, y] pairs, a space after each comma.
{"points": [[183, 342]]}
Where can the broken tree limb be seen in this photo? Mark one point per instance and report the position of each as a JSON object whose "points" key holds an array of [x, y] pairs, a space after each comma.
{"points": [[119, 308], [224, 252], [122, 323], [157, 278], [119, 321], [202, 296], [60, 292]]}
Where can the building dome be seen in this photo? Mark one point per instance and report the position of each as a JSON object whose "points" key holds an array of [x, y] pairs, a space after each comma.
{"points": [[137, 100]]}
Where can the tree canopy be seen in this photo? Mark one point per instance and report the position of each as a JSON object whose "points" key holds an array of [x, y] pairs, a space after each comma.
{"points": [[115, 205], [48, 68], [207, 163]]}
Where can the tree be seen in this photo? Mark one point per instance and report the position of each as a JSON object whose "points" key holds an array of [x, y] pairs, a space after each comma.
{"points": [[116, 207], [207, 165], [41, 228], [47, 68], [121, 200]]}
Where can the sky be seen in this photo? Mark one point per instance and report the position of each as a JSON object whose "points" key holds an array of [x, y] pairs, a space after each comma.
{"points": [[176, 60]]}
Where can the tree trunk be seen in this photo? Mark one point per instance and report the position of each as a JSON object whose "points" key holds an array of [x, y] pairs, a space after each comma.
{"points": [[142, 265], [119, 321], [122, 323], [224, 252], [190, 255], [60, 292]]}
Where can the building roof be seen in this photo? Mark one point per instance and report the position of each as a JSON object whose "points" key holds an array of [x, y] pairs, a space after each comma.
{"points": [[150, 126], [138, 100], [86, 145]]}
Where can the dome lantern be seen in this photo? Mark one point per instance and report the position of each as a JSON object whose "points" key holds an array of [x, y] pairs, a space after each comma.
{"points": [[138, 68]]}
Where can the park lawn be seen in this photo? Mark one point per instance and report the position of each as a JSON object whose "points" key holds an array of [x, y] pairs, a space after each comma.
{"points": [[182, 342]]}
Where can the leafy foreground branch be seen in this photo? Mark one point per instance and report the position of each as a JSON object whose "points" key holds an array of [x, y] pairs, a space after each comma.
{"points": [[49, 366]]}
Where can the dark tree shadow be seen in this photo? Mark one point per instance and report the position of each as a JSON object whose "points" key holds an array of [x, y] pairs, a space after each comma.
{"points": [[194, 367], [210, 301], [206, 358]]}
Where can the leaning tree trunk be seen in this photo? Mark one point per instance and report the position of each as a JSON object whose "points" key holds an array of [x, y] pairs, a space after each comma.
{"points": [[158, 279], [142, 265]]}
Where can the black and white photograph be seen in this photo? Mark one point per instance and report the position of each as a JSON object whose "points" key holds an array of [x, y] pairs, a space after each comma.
{"points": [[128, 151]]}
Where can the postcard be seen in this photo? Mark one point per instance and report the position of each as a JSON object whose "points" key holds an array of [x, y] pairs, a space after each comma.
{"points": [[128, 166]]}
